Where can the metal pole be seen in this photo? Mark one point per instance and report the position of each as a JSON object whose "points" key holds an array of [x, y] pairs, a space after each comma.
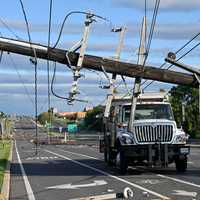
{"points": [[114, 76], [137, 84], [121, 42], [76, 72], [118, 54], [198, 79], [183, 112]]}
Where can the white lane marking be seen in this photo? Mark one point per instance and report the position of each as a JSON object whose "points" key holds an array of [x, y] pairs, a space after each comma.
{"points": [[184, 193], [178, 180], [70, 186], [159, 175], [79, 154], [109, 175], [25, 178], [98, 197], [42, 158]]}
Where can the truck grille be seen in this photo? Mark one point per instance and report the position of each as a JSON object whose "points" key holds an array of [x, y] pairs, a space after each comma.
{"points": [[148, 133]]}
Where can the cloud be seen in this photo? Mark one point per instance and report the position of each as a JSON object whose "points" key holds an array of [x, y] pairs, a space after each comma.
{"points": [[166, 5], [168, 31], [69, 28], [20, 26], [108, 42]]}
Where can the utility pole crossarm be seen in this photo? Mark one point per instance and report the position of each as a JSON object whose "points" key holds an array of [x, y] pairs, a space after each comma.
{"points": [[183, 66], [95, 63]]}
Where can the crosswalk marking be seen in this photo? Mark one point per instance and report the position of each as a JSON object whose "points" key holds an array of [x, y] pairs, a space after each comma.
{"points": [[42, 158]]}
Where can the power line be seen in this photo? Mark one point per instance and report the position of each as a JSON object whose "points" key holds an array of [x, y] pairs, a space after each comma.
{"points": [[35, 67], [1, 52], [145, 8], [52, 89], [150, 37], [152, 27], [28, 31], [21, 79], [67, 16], [26, 21], [180, 49], [9, 29], [48, 70], [18, 73], [89, 15]]}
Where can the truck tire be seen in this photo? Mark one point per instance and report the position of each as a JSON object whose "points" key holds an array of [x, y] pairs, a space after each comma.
{"points": [[181, 164], [122, 162]]}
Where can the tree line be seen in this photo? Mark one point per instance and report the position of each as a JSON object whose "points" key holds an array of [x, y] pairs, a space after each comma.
{"points": [[185, 96]]}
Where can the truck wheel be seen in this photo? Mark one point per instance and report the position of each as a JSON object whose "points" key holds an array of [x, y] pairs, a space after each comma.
{"points": [[181, 164], [122, 162]]}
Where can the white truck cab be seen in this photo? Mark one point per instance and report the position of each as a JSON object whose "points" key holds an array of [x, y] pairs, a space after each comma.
{"points": [[154, 121]]}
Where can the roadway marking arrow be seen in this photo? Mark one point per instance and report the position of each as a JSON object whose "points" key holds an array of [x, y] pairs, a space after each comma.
{"points": [[184, 193], [70, 186]]}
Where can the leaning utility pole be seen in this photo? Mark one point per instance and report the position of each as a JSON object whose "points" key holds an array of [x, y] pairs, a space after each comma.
{"points": [[137, 84], [95, 63]]}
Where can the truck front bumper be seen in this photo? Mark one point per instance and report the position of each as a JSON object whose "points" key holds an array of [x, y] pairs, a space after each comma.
{"points": [[165, 153]]}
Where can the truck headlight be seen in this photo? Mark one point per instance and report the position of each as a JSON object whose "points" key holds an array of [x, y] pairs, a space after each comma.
{"points": [[180, 138], [127, 139]]}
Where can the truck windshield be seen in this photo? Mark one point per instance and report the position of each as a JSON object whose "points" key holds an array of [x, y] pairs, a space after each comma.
{"points": [[148, 111]]}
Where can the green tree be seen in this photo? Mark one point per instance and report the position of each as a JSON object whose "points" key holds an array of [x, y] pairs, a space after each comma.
{"points": [[45, 117], [2, 114], [94, 117], [189, 96]]}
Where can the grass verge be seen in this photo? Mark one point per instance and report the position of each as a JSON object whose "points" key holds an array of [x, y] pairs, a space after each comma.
{"points": [[4, 155]]}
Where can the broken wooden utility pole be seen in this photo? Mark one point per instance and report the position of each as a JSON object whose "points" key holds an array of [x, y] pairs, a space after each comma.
{"points": [[95, 63]]}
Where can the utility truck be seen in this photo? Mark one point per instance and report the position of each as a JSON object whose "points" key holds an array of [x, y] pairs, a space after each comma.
{"points": [[155, 140]]}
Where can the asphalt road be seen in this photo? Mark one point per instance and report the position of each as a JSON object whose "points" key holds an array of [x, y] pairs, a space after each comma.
{"points": [[66, 172]]}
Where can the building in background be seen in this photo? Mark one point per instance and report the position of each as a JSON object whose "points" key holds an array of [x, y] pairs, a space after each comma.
{"points": [[72, 115]]}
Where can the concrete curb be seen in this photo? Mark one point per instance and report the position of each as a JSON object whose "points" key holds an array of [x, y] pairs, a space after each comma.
{"points": [[5, 190]]}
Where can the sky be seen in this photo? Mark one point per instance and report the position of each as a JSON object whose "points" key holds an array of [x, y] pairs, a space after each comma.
{"points": [[177, 22]]}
